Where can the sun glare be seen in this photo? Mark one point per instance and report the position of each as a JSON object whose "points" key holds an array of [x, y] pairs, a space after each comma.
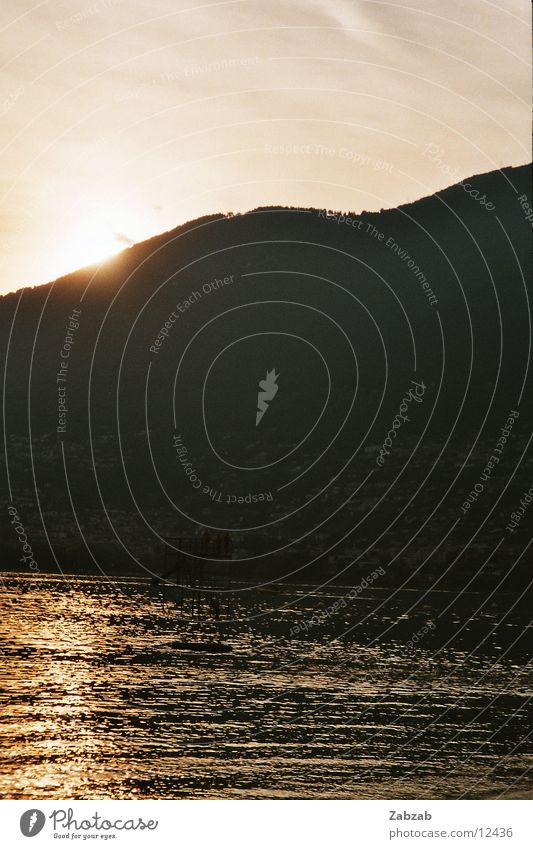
{"points": [[96, 235]]}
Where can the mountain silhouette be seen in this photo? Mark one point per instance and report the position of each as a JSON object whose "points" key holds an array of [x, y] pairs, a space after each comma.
{"points": [[106, 366]]}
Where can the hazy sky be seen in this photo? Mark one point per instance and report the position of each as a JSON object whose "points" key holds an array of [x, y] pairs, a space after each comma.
{"points": [[123, 118]]}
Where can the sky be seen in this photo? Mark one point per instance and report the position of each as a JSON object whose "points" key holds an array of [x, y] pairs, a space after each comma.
{"points": [[120, 119]]}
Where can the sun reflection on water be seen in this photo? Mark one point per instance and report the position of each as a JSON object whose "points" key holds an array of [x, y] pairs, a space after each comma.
{"points": [[96, 704]]}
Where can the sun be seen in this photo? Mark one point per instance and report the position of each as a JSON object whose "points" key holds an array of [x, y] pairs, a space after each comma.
{"points": [[95, 234]]}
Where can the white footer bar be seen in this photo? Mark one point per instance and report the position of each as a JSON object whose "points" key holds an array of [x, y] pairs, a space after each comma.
{"points": [[232, 824]]}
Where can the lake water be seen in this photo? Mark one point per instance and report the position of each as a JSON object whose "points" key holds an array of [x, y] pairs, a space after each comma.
{"points": [[97, 704]]}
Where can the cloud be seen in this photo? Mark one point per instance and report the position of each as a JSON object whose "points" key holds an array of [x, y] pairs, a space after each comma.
{"points": [[123, 239], [345, 14]]}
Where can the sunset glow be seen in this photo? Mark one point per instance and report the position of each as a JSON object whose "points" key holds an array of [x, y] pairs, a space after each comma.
{"points": [[229, 106], [94, 235]]}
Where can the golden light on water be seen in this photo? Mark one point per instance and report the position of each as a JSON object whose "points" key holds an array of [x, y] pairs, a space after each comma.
{"points": [[101, 707]]}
